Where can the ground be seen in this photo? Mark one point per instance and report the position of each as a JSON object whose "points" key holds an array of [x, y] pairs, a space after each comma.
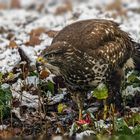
{"points": [[34, 102]]}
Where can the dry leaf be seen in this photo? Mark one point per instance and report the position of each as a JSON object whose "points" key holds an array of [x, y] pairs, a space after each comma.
{"points": [[40, 7], [67, 6], [3, 6], [13, 45], [38, 31], [118, 7], [34, 40], [10, 36], [3, 30], [114, 5], [34, 36], [44, 74], [52, 33], [5, 134], [15, 4]]}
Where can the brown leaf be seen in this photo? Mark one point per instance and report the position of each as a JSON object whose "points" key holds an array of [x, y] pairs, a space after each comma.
{"points": [[16, 103], [34, 36], [17, 131], [3, 30], [40, 7], [3, 6], [5, 134], [114, 5], [10, 36], [67, 6], [38, 31], [34, 40], [52, 33], [118, 7], [13, 45], [44, 74], [15, 4]]}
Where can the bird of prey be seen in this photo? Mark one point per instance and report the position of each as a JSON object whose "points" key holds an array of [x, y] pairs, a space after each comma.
{"points": [[89, 52]]}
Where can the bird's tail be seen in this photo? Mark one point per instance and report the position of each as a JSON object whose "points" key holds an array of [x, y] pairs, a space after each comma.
{"points": [[136, 56]]}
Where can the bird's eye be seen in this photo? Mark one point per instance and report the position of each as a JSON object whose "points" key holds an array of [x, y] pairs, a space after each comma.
{"points": [[47, 55], [52, 55]]}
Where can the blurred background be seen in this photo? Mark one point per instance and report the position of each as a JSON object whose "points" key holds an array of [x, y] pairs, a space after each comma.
{"points": [[126, 12], [20, 17]]}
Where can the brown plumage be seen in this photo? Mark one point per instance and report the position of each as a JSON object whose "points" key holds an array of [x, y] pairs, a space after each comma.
{"points": [[89, 52]]}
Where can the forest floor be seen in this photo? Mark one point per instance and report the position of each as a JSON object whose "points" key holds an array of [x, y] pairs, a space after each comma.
{"points": [[35, 103]]}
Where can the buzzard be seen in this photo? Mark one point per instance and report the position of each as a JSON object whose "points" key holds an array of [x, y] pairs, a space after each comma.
{"points": [[87, 53]]}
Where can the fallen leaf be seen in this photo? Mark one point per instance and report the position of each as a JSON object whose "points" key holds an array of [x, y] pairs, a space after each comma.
{"points": [[44, 74], [87, 120], [3, 30], [38, 31], [10, 75], [61, 107], [15, 4], [67, 6], [10, 36], [34, 36], [52, 33], [13, 45], [118, 7], [40, 7], [101, 92], [34, 40], [5, 134], [3, 6]]}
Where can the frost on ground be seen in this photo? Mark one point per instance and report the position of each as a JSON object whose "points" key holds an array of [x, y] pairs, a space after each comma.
{"points": [[26, 31]]}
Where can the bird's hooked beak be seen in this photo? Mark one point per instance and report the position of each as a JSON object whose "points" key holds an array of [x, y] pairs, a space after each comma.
{"points": [[41, 62], [53, 69]]}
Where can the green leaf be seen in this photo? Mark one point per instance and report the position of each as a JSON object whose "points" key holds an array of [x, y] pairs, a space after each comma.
{"points": [[122, 127], [135, 118], [5, 98], [136, 85], [136, 129], [1, 75], [33, 73], [10, 75], [101, 92], [73, 129], [120, 123], [61, 107], [133, 78], [50, 86], [125, 130], [136, 72], [5, 95]]}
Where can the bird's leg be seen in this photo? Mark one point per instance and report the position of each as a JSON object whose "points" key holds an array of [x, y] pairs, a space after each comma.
{"points": [[114, 89], [78, 99], [80, 105]]}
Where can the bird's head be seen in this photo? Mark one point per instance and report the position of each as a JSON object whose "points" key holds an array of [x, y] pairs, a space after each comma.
{"points": [[54, 56]]}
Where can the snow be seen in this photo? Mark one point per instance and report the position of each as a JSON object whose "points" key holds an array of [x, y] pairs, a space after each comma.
{"points": [[56, 99], [101, 124], [130, 90], [18, 21], [9, 59], [79, 136], [3, 127]]}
